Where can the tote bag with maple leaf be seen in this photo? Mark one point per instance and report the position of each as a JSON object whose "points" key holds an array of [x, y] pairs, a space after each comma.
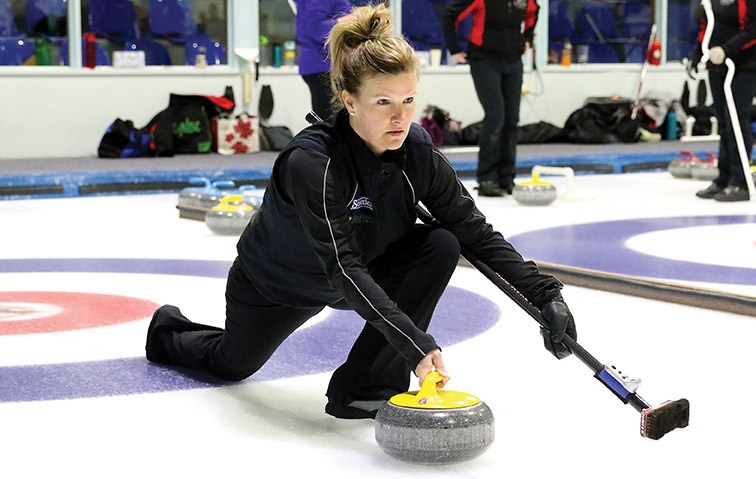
{"points": [[240, 134]]}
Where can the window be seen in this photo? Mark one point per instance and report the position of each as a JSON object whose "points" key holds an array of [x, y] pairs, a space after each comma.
{"points": [[168, 32], [31, 31], [609, 31], [277, 32], [682, 28]]}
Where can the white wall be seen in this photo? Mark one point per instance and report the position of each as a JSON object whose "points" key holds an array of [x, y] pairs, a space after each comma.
{"points": [[52, 112]]}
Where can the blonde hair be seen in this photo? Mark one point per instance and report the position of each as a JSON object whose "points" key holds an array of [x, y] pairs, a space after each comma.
{"points": [[363, 44]]}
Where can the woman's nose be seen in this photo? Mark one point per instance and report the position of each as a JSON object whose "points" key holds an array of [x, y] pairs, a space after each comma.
{"points": [[398, 115]]}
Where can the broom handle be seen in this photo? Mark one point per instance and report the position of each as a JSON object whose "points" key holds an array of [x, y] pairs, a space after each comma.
{"points": [[587, 358]]}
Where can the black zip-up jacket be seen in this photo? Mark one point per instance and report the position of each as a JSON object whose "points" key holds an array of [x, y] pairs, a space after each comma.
{"points": [[734, 31], [332, 207], [499, 31]]}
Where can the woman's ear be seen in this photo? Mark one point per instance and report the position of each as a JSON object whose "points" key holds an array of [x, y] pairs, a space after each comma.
{"points": [[348, 100]]}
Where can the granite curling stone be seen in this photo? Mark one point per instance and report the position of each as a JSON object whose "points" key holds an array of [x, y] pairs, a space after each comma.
{"points": [[433, 426], [707, 170], [230, 216], [682, 167], [534, 192], [190, 196], [213, 196]]}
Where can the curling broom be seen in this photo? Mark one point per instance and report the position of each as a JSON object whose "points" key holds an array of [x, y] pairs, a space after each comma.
{"points": [[655, 421]]}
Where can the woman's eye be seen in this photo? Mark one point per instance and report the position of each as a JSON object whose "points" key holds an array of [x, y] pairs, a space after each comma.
{"points": [[410, 100], [383, 101]]}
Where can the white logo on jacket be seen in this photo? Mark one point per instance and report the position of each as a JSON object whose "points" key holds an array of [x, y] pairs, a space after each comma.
{"points": [[363, 202]]}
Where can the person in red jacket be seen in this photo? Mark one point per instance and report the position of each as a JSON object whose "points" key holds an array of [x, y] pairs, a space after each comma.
{"points": [[733, 36], [502, 31]]}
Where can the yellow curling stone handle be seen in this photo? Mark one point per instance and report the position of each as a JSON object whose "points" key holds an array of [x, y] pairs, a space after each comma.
{"points": [[430, 397], [535, 181], [232, 203]]}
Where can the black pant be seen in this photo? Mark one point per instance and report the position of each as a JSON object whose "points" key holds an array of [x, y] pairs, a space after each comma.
{"points": [[743, 89], [413, 271], [320, 93], [498, 86]]}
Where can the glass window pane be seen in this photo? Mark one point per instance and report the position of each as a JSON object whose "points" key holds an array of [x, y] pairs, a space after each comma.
{"points": [[682, 28], [31, 31], [422, 26], [599, 31], [277, 29], [169, 32]]}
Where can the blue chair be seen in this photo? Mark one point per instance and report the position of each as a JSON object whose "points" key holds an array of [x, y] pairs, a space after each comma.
{"points": [[113, 19], [215, 52], [561, 25], [172, 19], [15, 51], [636, 20], [603, 53], [596, 22], [7, 24], [682, 29], [101, 54], [47, 17], [155, 52]]}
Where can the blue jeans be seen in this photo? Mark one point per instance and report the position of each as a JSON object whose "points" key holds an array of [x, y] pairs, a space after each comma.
{"points": [[498, 86]]}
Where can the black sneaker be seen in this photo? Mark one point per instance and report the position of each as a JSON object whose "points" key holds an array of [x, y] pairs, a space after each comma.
{"points": [[489, 188], [709, 192], [733, 193], [507, 188], [355, 409]]}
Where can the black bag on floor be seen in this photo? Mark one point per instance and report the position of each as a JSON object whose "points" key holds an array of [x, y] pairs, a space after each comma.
{"points": [[470, 134], [603, 121], [541, 132], [123, 140], [274, 138], [185, 126]]}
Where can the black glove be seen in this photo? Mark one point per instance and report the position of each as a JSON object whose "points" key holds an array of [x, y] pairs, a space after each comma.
{"points": [[560, 320], [691, 68]]}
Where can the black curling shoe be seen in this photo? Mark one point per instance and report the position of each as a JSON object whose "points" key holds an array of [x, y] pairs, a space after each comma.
{"points": [[732, 193], [709, 192]]}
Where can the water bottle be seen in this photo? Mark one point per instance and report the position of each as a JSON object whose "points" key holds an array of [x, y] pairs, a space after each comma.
{"points": [[567, 53], [277, 56], [90, 50], [672, 122]]}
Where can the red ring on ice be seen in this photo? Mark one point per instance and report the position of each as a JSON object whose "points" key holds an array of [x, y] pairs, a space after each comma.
{"points": [[73, 311]]}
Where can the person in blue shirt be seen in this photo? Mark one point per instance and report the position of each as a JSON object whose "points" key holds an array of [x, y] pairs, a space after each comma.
{"points": [[314, 19]]}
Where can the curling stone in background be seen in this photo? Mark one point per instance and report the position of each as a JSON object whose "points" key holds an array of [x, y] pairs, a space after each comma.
{"points": [[681, 167], [434, 426], [252, 196], [230, 216], [213, 196], [190, 196], [707, 170], [535, 192]]}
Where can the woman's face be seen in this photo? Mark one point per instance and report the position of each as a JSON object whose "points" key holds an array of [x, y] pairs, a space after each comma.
{"points": [[382, 111]]}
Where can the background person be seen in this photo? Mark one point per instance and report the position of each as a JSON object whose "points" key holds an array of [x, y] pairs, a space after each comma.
{"points": [[733, 36], [314, 19], [502, 31]]}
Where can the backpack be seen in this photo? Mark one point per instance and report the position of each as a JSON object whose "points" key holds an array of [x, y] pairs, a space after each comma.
{"points": [[272, 137], [123, 140], [185, 125]]}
